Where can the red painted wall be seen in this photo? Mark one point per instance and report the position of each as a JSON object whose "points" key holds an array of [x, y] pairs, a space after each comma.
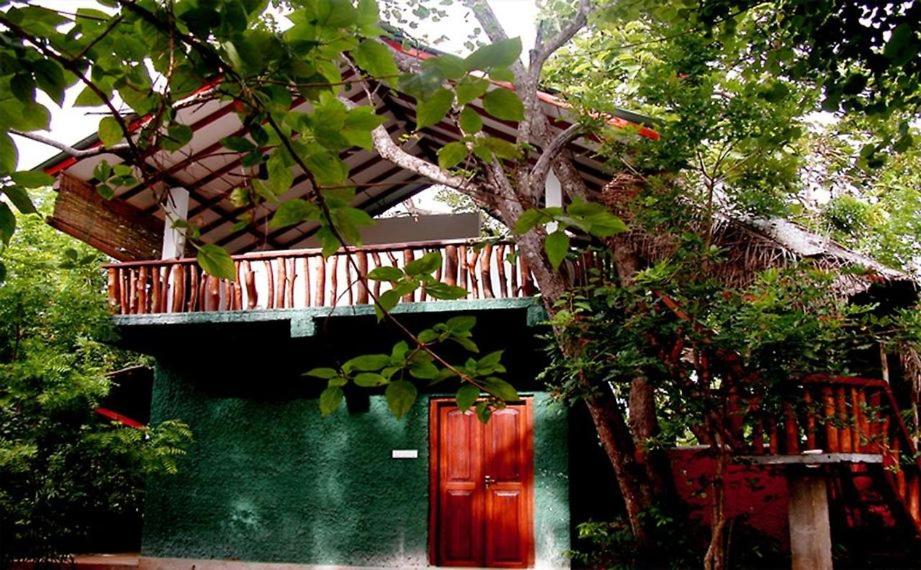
{"points": [[758, 494]]}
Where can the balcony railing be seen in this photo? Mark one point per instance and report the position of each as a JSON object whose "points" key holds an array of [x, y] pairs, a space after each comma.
{"points": [[298, 279]]}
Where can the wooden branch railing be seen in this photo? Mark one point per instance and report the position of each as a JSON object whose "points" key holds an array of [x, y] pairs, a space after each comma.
{"points": [[836, 415], [303, 278]]}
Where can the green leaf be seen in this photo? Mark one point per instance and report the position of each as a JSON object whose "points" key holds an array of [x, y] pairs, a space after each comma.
{"points": [[324, 373], [386, 274], [470, 88], [528, 220], [216, 261], [490, 361], [50, 77], [280, 175], [433, 109], [461, 324], [470, 121], [398, 354], [483, 411], [358, 126], [349, 221], [330, 399], [424, 265], [367, 362], [452, 154], [502, 74], [900, 44], [502, 148], [367, 12], [385, 302], [606, 225], [20, 198], [106, 191], [238, 144], [500, 54], [88, 98], [438, 290], [450, 66], [32, 179], [370, 380], [375, 58], [467, 396], [557, 246], [500, 389], [9, 155], [424, 370], [293, 212], [503, 104], [110, 132], [400, 397], [177, 136], [7, 223], [327, 168]]}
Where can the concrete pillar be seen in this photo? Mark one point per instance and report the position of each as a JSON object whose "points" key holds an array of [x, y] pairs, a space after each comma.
{"points": [[176, 208], [810, 530]]}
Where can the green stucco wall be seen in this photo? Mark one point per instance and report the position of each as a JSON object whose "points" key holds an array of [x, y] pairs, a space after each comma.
{"points": [[268, 479]]}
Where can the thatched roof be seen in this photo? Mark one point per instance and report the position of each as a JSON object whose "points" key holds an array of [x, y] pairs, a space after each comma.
{"points": [[752, 244]]}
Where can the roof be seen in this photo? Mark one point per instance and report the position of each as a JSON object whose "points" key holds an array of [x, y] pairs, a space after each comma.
{"points": [[753, 243], [210, 172]]}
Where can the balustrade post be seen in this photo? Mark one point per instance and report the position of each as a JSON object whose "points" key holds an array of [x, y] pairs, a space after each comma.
{"points": [[362, 261]]}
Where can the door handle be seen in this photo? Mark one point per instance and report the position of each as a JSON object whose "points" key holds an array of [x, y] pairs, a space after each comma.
{"points": [[487, 480]]}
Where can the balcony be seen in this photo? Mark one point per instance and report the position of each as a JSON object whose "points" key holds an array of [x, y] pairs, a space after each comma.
{"points": [[302, 279]]}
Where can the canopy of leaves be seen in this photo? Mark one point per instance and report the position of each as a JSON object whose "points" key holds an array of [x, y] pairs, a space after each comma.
{"points": [[63, 467]]}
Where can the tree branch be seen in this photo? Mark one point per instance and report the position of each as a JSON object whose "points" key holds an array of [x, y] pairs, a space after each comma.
{"points": [[71, 151], [75, 68], [543, 48], [389, 150], [538, 175], [494, 30]]}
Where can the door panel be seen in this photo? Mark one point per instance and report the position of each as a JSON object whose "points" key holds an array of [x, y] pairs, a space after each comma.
{"points": [[461, 507], [504, 445], [482, 475], [505, 539]]}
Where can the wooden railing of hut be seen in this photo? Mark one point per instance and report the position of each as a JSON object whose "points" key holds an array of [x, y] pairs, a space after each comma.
{"points": [[303, 278], [822, 414]]}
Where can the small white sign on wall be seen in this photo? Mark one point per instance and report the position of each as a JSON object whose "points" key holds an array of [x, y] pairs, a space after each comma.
{"points": [[405, 454]]}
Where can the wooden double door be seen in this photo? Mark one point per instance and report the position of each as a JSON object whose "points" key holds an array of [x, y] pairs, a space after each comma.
{"points": [[482, 487]]}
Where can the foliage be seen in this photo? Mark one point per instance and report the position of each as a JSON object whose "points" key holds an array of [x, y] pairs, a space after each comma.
{"points": [[874, 208], [62, 466], [398, 370], [612, 545]]}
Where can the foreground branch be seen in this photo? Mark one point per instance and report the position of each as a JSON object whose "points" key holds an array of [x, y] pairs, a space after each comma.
{"points": [[71, 151], [541, 168]]}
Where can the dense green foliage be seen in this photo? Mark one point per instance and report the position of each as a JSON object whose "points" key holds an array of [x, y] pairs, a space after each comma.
{"points": [[64, 469], [737, 89]]}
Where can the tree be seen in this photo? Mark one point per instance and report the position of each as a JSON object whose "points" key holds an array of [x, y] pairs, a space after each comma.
{"points": [[63, 467], [709, 49]]}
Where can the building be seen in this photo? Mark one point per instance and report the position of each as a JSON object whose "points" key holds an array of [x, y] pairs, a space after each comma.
{"points": [[270, 480]]}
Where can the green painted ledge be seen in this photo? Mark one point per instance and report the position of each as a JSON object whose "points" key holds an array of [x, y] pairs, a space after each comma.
{"points": [[303, 321]]}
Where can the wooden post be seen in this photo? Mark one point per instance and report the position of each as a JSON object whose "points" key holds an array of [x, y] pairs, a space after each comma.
{"points": [[450, 275], [362, 277], [114, 290], [810, 530]]}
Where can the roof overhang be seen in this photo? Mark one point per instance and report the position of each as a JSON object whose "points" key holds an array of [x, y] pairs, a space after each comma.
{"points": [[210, 172]]}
